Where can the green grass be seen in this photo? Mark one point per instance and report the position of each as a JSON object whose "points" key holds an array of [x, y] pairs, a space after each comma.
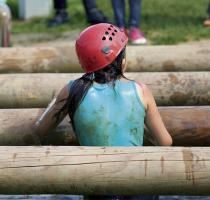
{"points": [[163, 21]]}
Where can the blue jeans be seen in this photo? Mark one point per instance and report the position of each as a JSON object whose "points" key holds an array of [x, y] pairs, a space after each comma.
{"points": [[119, 11]]}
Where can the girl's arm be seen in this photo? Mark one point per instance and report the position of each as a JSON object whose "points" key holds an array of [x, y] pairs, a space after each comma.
{"points": [[48, 121], [153, 119]]}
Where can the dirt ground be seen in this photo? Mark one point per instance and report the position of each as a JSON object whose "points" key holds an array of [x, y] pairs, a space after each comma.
{"points": [[44, 39]]}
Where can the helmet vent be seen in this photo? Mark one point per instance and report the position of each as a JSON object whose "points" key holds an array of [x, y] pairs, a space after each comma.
{"points": [[103, 38], [113, 34], [106, 33], [110, 38], [109, 29], [115, 30]]}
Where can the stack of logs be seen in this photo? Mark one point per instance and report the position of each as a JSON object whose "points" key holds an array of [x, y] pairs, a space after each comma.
{"points": [[180, 82]]}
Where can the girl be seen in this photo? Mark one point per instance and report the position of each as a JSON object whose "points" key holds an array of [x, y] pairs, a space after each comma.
{"points": [[105, 108]]}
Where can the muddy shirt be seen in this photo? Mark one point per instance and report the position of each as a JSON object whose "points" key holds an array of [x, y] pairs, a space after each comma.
{"points": [[110, 116]]}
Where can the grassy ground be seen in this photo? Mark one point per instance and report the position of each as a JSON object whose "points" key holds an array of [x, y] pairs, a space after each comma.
{"points": [[163, 21]]}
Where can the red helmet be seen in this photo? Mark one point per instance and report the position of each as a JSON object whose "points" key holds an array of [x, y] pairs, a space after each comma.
{"points": [[99, 45]]}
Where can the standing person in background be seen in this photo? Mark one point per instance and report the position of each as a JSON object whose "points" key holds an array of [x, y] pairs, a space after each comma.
{"points": [[135, 34], [105, 107], [5, 24], [93, 14], [207, 21], [61, 14]]}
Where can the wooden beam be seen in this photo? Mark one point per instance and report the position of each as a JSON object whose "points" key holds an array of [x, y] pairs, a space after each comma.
{"points": [[168, 58], [17, 129], [168, 88], [63, 59], [38, 59], [105, 171], [188, 126]]}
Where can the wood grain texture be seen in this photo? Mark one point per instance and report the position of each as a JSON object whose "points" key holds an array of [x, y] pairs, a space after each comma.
{"points": [[168, 88], [188, 126], [100, 170], [63, 59]]}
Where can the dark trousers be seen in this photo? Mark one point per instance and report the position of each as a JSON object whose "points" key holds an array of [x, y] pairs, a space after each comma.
{"points": [[60, 4], [89, 4], [119, 11], [208, 10]]}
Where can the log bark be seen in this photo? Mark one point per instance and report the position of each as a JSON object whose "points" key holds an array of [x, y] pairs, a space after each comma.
{"points": [[38, 59], [105, 171], [168, 58], [168, 88], [17, 129], [147, 58], [188, 126]]}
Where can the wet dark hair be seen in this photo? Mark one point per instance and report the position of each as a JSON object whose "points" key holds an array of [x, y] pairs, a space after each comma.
{"points": [[80, 86]]}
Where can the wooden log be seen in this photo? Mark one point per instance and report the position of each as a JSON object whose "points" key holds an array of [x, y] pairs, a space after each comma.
{"points": [[168, 58], [63, 59], [38, 59], [188, 126], [105, 171], [168, 88], [17, 129]]}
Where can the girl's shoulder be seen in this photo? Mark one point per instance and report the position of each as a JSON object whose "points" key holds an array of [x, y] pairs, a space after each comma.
{"points": [[142, 91]]}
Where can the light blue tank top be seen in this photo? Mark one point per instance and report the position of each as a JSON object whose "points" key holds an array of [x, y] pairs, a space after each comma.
{"points": [[110, 116]]}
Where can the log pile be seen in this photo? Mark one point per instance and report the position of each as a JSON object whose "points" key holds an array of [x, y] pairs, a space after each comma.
{"points": [[180, 82]]}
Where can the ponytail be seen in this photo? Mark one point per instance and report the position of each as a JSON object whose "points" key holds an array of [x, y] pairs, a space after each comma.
{"points": [[80, 86]]}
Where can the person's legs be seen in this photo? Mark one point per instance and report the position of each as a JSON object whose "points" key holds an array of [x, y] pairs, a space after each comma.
{"points": [[135, 35], [94, 15], [135, 13], [89, 4], [5, 25], [61, 15], [119, 12], [207, 21], [60, 4]]}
